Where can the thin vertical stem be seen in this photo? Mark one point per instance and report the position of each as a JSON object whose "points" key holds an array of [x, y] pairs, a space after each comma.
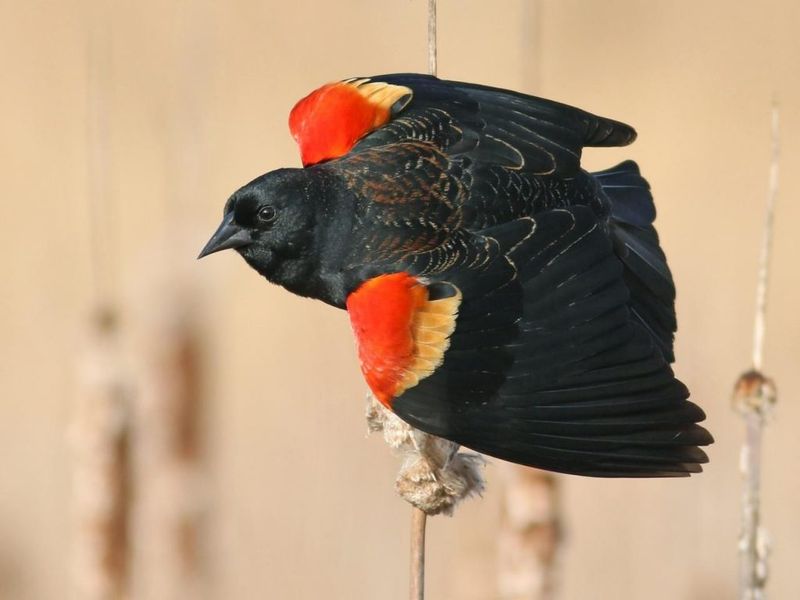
{"points": [[753, 576], [418, 521], [754, 396], [418, 516], [100, 430], [100, 208], [766, 245], [432, 50]]}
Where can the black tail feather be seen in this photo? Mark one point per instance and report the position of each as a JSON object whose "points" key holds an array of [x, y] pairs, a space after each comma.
{"points": [[636, 243]]}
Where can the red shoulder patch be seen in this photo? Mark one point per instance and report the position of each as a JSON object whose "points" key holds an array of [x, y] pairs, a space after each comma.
{"points": [[401, 334], [330, 120]]}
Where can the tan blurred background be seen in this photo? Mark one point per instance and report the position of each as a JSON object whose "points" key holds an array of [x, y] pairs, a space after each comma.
{"points": [[162, 108]]}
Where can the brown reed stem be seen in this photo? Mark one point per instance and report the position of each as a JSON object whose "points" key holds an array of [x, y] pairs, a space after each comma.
{"points": [[418, 522], [432, 49], [418, 516]]}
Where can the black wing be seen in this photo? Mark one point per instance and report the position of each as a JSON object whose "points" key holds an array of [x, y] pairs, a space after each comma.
{"points": [[560, 356], [495, 127], [548, 367], [506, 155]]}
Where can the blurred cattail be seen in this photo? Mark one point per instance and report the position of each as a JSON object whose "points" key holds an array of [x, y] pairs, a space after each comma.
{"points": [[530, 533], [530, 523], [100, 428], [167, 341], [169, 456], [100, 437]]}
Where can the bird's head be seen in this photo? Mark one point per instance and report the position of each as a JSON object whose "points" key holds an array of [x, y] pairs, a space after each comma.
{"points": [[269, 222]]}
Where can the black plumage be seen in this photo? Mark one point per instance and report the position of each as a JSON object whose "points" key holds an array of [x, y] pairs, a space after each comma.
{"points": [[561, 351]]}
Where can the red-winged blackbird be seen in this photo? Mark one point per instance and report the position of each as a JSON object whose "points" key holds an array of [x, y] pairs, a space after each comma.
{"points": [[501, 296]]}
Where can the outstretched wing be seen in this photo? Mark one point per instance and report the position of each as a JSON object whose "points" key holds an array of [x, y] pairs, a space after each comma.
{"points": [[492, 156], [487, 126], [488, 302], [543, 364]]}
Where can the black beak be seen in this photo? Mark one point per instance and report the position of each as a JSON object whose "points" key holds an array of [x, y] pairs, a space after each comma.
{"points": [[229, 235]]}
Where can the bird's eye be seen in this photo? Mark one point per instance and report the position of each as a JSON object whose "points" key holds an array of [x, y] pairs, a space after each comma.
{"points": [[266, 214]]}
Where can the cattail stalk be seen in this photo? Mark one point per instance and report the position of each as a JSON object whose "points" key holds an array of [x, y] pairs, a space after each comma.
{"points": [[170, 451], [100, 428], [432, 47], [418, 520], [754, 397], [434, 478], [419, 516], [100, 440], [530, 534]]}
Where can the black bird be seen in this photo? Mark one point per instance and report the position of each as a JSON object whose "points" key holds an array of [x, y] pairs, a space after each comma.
{"points": [[501, 296]]}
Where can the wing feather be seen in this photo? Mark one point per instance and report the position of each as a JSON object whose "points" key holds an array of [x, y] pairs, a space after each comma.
{"points": [[570, 380]]}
